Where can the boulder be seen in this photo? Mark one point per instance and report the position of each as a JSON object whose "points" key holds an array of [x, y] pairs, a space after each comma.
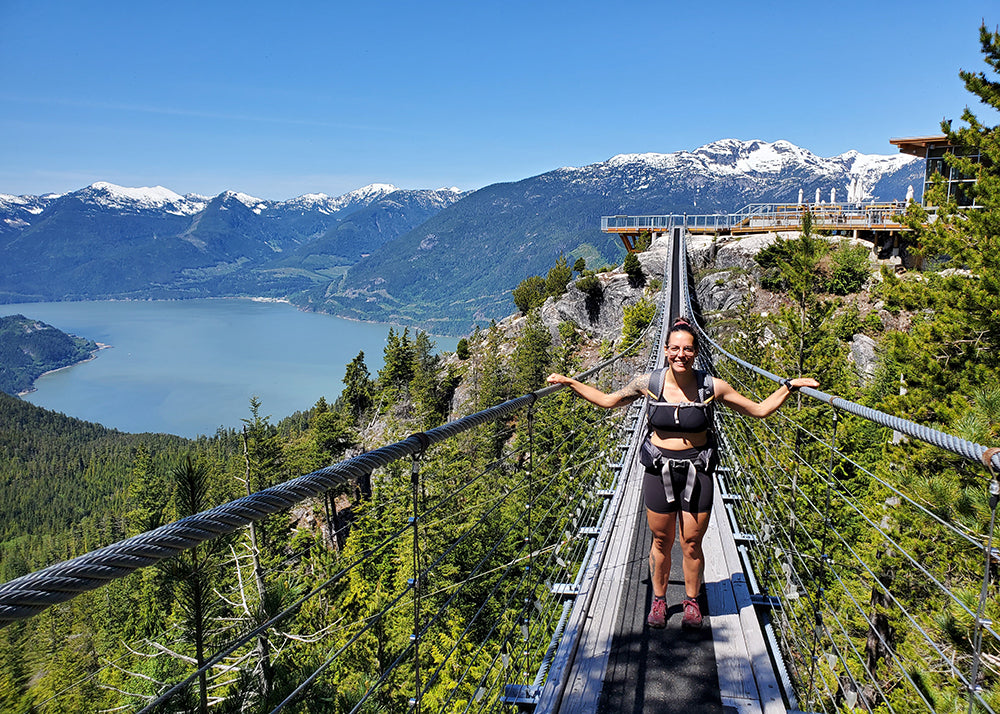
{"points": [[864, 356], [701, 252], [723, 290], [654, 259], [606, 322], [740, 253]]}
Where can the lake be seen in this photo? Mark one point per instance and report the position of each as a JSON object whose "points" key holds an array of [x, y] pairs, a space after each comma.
{"points": [[187, 367]]}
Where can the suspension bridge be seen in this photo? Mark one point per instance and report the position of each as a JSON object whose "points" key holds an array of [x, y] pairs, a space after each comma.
{"points": [[536, 599]]}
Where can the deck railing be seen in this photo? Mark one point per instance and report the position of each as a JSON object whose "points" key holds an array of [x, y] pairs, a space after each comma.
{"points": [[769, 216]]}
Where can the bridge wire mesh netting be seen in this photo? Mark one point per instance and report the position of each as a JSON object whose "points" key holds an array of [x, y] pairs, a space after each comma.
{"points": [[452, 587], [876, 583]]}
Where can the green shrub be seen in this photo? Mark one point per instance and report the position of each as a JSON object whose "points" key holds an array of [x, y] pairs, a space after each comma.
{"points": [[568, 333], [462, 349], [872, 324], [637, 318], [847, 324], [529, 293], [849, 269]]}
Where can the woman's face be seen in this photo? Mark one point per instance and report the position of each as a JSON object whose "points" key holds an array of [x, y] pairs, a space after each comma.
{"points": [[681, 351]]}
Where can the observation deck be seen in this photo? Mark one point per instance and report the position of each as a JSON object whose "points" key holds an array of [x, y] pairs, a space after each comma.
{"points": [[855, 218]]}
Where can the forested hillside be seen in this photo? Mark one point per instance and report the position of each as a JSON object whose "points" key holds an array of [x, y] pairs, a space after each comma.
{"points": [[29, 348], [109, 485]]}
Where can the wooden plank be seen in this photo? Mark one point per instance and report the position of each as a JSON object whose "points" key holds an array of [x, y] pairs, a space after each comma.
{"points": [[742, 706], [736, 676], [586, 676], [762, 673]]}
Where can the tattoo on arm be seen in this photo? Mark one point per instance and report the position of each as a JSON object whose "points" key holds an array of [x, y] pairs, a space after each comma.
{"points": [[633, 390]]}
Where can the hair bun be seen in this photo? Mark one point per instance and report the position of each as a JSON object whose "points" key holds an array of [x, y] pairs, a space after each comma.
{"points": [[682, 321]]}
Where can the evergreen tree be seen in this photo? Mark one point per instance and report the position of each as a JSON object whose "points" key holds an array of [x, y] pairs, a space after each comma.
{"points": [[558, 277], [633, 269], [425, 387], [795, 265], [952, 345], [191, 572], [529, 293], [397, 370], [972, 237], [144, 495], [264, 449], [565, 359], [356, 397], [531, 358]]}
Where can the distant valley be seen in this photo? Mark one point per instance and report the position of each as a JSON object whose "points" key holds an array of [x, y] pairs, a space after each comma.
{"points": [[440, 259]]}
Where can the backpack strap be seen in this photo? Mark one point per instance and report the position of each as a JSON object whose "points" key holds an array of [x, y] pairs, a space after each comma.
{"points": [[706, 393], [656, 380], [706, 386], [654, 394]]}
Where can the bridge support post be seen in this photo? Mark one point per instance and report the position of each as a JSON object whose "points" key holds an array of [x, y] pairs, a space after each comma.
{"points": [[820, 572], [415, 582], [981, 620]]}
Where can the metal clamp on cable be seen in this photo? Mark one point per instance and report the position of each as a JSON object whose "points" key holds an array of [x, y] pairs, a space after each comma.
{"points": [[424, 440], [987, 458]]}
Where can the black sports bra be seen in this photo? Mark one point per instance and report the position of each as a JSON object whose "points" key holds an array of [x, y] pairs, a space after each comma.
{"points": [[683, 417]]}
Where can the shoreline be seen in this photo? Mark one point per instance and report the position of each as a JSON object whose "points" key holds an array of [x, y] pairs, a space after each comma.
{"points": [[93, 356]]}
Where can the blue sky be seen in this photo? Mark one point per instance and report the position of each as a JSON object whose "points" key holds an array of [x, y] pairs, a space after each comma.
{"points": [[281, 99]]}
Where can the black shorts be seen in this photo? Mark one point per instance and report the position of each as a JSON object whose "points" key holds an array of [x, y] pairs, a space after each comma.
{"points": [[654, 494]]}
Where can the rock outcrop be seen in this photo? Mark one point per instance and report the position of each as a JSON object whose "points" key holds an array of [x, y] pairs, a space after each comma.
{"points": [[723, 290], [864, 356]]}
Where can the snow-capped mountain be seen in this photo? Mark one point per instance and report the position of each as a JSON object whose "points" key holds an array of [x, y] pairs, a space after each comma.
{"points": [[136, 200], [730, 157], [518, 229], [17, 212], [112, 241], [761, 172]]}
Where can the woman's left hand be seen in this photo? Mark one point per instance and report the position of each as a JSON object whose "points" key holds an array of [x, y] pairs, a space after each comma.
{"points": [[803, 382]]}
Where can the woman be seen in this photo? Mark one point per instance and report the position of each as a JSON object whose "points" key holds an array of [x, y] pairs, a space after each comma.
{"points": [[680, 456]]}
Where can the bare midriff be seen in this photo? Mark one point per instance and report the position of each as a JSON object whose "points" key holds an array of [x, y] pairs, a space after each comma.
{"points": [[678, 441]]}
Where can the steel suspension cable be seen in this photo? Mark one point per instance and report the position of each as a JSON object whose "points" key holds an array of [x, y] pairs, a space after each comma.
{"points": [[926, 637]]}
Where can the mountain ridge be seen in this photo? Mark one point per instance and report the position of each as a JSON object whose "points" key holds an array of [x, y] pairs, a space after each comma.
{"points": [[519, 228], [433, 258]]}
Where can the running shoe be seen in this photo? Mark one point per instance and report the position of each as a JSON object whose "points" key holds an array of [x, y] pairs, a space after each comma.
{"points": [[692, 614], [658, 613]]}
